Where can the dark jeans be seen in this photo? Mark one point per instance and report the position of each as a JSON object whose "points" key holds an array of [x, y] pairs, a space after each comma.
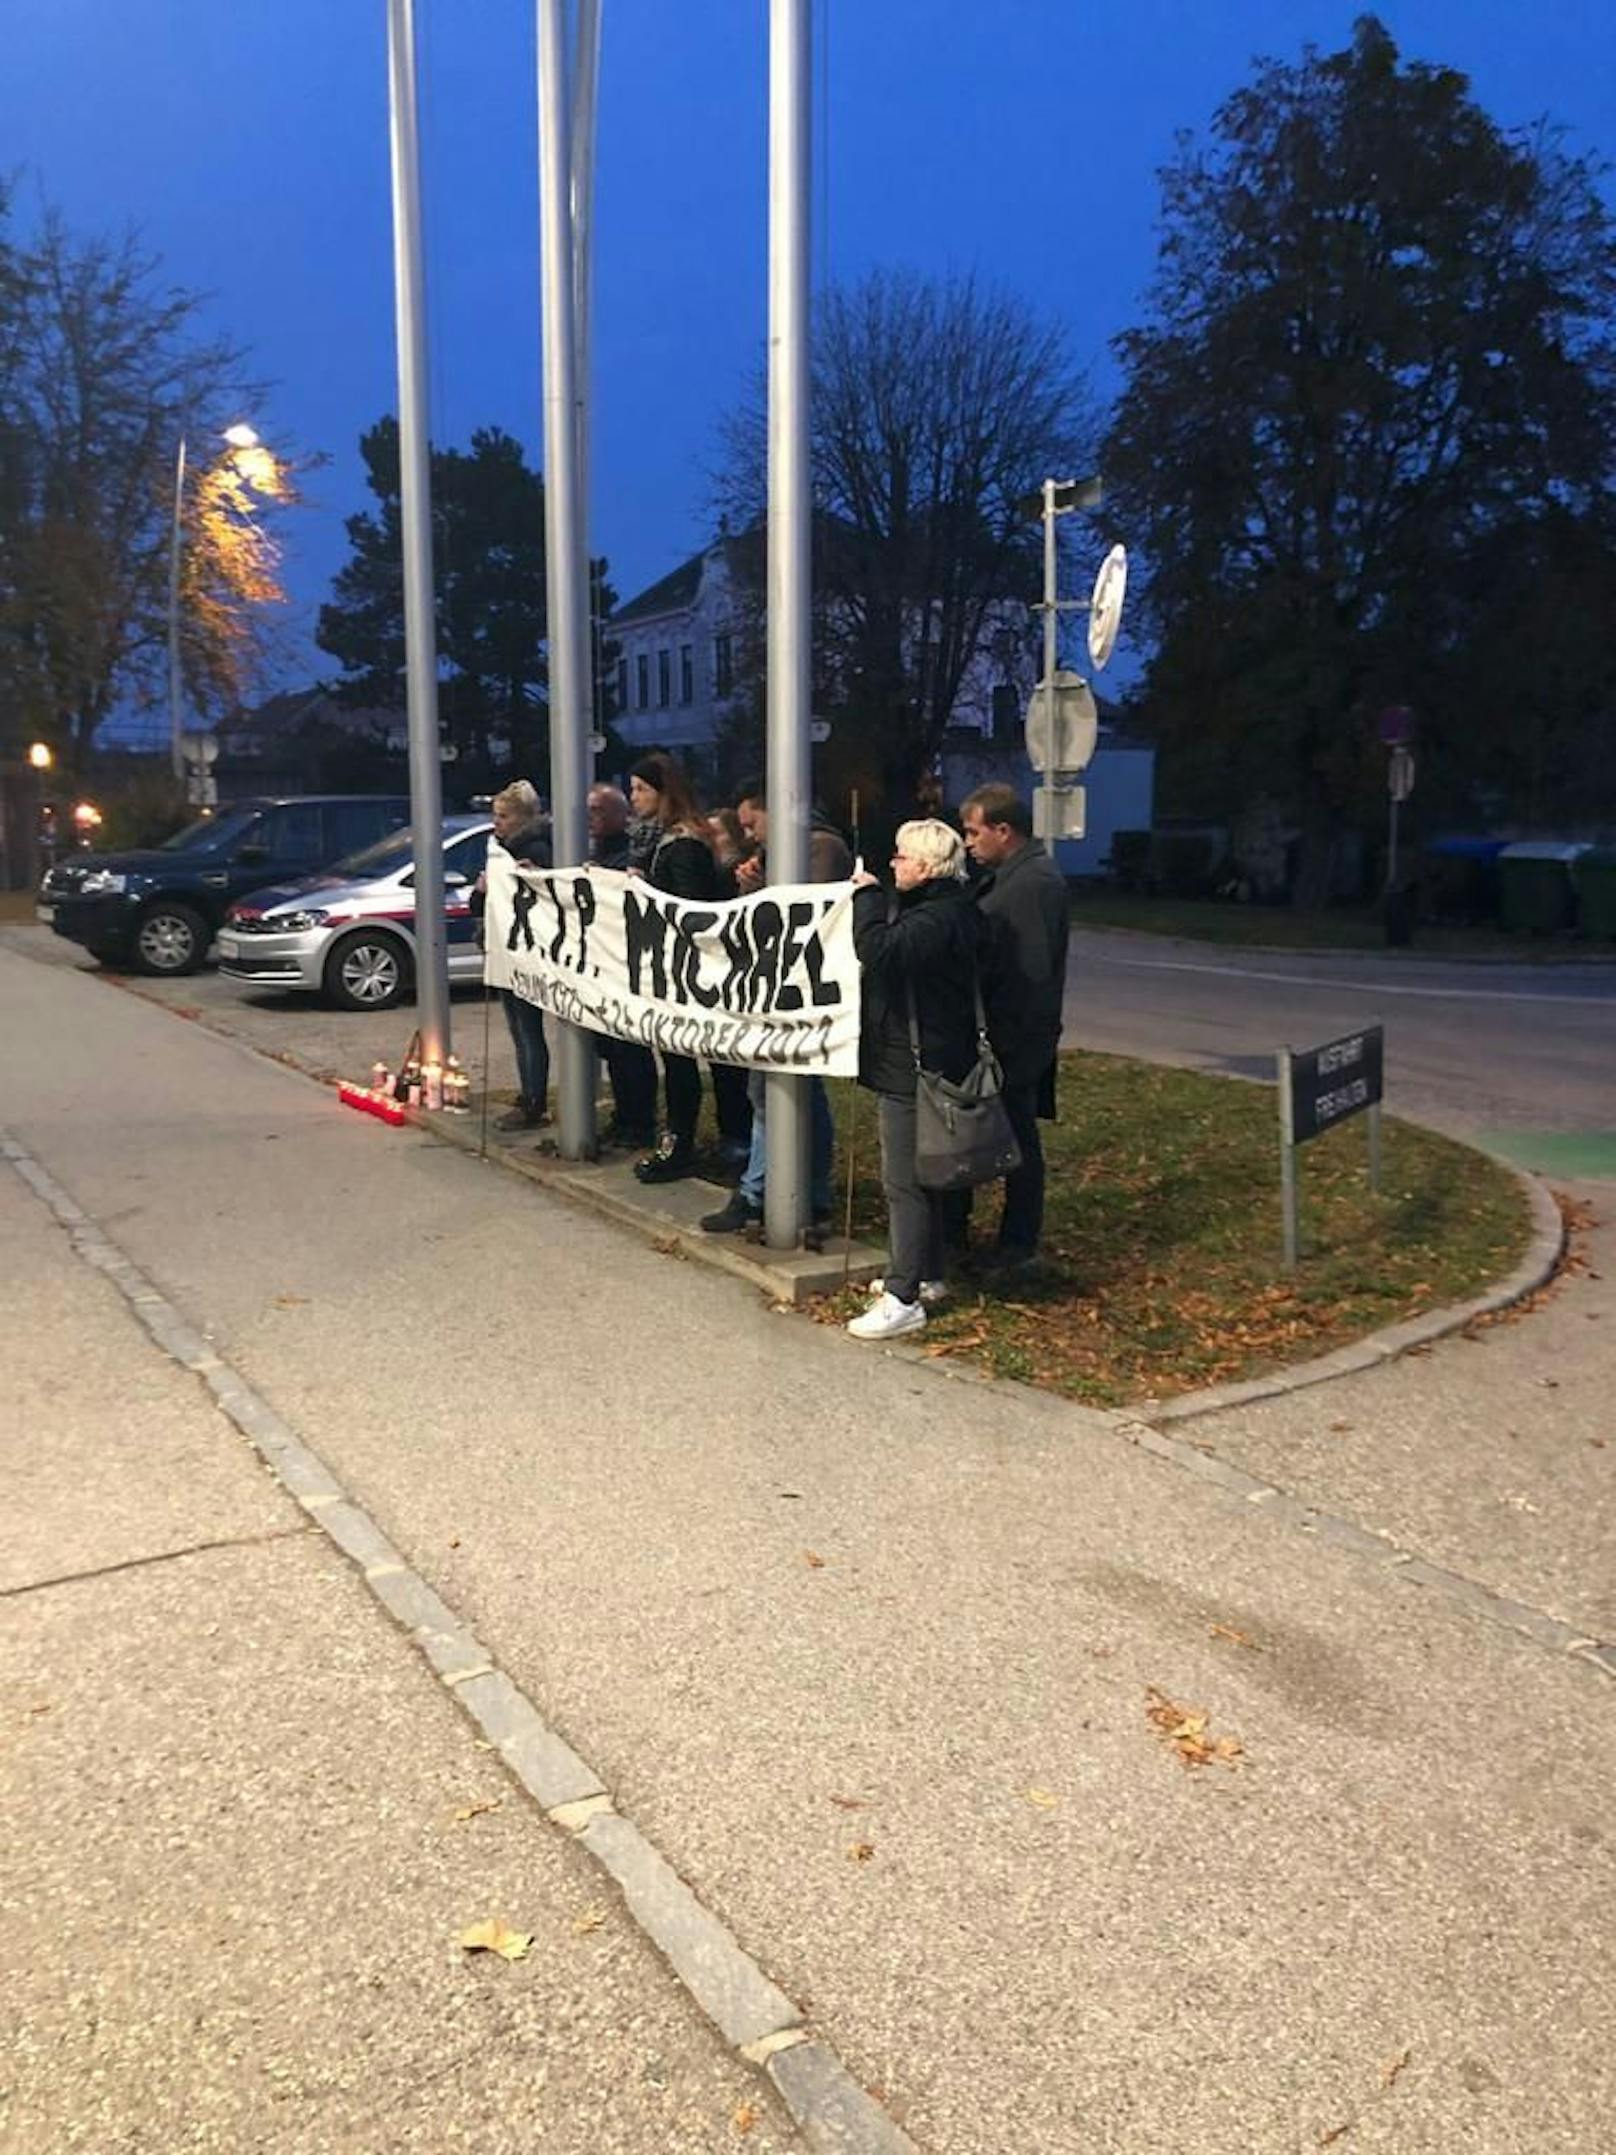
{"points": [[526, 1021], [1022, 1224], [914, 1215], [731, 1105], [632, 1070], [681, 1081]]}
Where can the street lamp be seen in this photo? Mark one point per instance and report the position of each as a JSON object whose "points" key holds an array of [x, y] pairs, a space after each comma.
{"points": [[39, 755], [239, 436]]}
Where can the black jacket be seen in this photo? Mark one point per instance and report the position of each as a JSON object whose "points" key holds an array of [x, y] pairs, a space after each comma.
{"points": [[1026, 915], [530, 846], [610, 850], [927, 940], [683, 866]]}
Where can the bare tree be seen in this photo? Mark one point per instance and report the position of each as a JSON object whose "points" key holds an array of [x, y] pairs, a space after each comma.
{"points": [[103, 370], [937, 406]]}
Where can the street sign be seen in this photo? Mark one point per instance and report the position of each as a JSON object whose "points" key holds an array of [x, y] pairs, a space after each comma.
{"points": [[1059, 812], [595, 743], [818, 730], [1105, 607], [1400, 773], [1318, 1088], [1396, 725], [1069, 494], [1062, 740]]}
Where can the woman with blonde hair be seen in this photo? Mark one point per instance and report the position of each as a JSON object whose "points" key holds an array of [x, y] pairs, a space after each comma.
{"points": [[520, 827], [680, 862], [918, 951]]}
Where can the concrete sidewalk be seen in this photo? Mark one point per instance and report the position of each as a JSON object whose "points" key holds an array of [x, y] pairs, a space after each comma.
{"points": [[869, 1653], [244, 1827]]}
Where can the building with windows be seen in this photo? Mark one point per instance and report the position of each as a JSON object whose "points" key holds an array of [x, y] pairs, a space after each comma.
{"points": [[676, 647]]}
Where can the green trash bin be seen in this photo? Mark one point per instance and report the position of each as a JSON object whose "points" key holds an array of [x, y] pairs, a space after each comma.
{"points": [[1536, 893], [1596, 894]]}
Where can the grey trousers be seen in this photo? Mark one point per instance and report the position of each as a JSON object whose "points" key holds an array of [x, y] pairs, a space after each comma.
{"points": [[914, 1215]]}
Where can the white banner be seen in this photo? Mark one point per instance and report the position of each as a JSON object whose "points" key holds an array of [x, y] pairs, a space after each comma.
{"points": [[769, 982]]}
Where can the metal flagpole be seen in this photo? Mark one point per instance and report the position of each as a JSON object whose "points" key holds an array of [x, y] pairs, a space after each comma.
{"points": [[415, 505], [789, 540], [176, 715], [1051, 609], [566, 576], [585, 103]]}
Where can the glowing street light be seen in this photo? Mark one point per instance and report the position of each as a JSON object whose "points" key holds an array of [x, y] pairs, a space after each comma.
{"points": [[40, 756], [240, 436]]}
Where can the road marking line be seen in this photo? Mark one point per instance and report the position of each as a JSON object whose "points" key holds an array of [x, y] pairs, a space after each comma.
{"points": [[1348, 987]]}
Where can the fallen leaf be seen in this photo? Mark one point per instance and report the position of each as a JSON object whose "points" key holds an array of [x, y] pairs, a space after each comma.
{"points": [[814, 1563], [454, 1542], [590, 1920], [862, 1851], [496, 1936], [746, 2116], [1185, 1729], [290, 1301], [851, 1803], [1042, 1797], [1338, 1427], [476, 1810], [1393, 2066], [1330, 2138], [1235, 1638]]}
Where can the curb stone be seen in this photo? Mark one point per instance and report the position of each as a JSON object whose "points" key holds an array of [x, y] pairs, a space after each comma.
{"points": [[755, 2018]]}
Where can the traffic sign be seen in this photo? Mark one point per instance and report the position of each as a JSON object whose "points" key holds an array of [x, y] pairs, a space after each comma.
{"points": [[1105, 607], [1396, 725], [1059, 812], [1400, 773], [1062, 739]]}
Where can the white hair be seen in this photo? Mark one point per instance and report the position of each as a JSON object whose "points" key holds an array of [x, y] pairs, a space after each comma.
{"points": [[938, 848], [521, 796]]}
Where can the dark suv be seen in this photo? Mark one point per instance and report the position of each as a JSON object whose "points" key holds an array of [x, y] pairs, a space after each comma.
{"points": [[158, 911]]}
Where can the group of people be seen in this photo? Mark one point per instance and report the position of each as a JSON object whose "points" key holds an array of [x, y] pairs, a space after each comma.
{"points": [[974, 918]]}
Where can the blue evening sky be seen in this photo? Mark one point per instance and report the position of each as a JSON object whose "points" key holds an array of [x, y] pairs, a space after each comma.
{"points": [[248, 142]]}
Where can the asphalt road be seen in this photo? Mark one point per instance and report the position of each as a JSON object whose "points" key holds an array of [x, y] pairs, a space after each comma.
{"points": [[865, 1651], [1518, 1056]]}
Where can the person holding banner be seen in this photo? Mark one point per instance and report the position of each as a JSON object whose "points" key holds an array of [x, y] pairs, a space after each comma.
{"points": [[680, 862], [519, 827], [919, 954]]}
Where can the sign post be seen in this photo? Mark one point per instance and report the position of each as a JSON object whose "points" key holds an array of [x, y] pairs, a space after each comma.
{"points": [[1319, 1087]]}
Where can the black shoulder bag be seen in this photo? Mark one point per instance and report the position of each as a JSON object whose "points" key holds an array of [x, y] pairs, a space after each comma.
{"points": [[962, 1129]]}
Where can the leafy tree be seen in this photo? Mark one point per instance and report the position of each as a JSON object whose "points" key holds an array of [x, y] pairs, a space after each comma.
{"points": [[103, 369], [1377, 369], [491, 613], [937, 405]]}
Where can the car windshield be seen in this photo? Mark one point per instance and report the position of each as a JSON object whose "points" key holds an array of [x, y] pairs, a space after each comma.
{"points": [[381, 857], [385, 856], [210, 831]]}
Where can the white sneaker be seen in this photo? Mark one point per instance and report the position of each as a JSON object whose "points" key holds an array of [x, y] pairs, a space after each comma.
{"points": [[931, 1291], [888, 1318]]}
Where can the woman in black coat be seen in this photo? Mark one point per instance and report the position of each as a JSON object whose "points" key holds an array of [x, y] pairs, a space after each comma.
{"points": [[917, 950], [680, 861]]}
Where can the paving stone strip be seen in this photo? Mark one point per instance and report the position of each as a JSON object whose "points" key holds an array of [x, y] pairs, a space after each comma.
{"points": [[753, 2015]]}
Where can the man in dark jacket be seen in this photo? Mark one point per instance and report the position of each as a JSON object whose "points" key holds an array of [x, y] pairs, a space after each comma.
{"points": [[1026, 915]]}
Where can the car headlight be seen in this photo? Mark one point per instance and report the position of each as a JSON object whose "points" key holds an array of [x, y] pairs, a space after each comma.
{"points": [[103, 883], [295, 923]]}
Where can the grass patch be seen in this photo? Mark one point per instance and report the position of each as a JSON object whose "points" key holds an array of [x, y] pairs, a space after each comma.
{"points": [[1162, 1245]]}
